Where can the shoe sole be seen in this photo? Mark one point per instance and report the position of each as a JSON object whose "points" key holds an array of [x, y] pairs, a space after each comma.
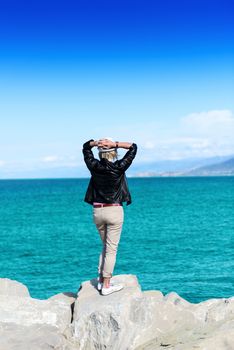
{"points": [[114, 291]]}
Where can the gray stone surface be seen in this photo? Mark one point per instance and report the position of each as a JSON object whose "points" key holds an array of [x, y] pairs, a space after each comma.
{"points": [[134, 320], [13, 288], [66, 297], [35, 337], [32, 324], [27, 311], [107, 322], [126, 320]]}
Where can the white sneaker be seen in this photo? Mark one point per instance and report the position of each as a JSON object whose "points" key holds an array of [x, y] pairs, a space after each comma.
{"points": [[113, 288]]}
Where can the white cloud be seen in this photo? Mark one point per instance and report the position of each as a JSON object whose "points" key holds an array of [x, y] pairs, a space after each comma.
{"points": [[210, 117], [69, 161], [210, 122], [149, 145], [50, 159], [212, 132], [198, 134], [201, 134], [179, 148]]}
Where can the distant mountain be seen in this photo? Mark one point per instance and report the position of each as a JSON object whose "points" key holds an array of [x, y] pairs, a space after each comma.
{"points": [[217, 169], [183, 167], [173, 167]]}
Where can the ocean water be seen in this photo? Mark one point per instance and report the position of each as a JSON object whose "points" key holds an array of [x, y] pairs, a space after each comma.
{"points": [[178, 235]]}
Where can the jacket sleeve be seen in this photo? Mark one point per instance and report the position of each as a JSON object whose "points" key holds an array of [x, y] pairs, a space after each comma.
{"points": [[89, 159], [126, 161]]}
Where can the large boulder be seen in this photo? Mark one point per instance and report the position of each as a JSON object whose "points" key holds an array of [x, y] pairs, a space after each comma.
{"points": [[132, 319], [29, 311], [106, 322], [34, 337], [32, 324], [13, 288]]}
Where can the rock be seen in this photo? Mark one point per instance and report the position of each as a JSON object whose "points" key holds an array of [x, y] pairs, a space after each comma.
{"points": [[135, 320], [106, 322], [32, 324], [27, 311], [126, 320], [35, 337], [13, 288], [66, 297]]}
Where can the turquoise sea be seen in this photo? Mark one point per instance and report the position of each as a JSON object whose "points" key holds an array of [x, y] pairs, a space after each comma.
{"points": [[178, 235]]}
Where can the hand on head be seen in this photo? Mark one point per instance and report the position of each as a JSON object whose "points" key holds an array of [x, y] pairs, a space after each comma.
{"points": [[105, 143]]}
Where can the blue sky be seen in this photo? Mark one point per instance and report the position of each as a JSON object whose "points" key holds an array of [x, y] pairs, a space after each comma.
{"points": [[160, 73]]}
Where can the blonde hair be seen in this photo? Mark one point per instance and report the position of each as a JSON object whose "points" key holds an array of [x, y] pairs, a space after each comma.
{"points": [[111, 156]]}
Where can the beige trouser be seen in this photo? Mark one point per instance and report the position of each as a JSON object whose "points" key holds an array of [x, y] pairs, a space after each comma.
{"points": [[109, 221]]}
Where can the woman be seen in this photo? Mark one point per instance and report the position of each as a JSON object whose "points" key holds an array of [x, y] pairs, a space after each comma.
{"points": [[107, 190]]}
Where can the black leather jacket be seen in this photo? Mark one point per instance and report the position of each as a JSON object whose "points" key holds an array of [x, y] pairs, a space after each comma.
{"points": [[108, 182]]}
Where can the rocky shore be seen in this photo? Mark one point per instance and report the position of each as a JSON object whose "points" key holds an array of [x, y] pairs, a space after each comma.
{"points": [[126, 320]]}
